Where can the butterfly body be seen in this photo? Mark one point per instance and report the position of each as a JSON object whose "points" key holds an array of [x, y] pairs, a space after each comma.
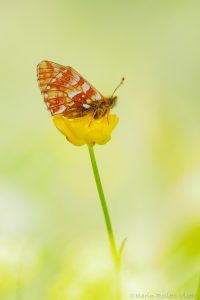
{"points": [[66, 92], [104, 107]]}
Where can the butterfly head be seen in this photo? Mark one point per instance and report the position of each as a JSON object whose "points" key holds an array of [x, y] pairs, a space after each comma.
{"points": [[112, 101]]}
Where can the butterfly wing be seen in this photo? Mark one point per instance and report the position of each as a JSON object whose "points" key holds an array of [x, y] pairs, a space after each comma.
{"points": [[65, 91]]}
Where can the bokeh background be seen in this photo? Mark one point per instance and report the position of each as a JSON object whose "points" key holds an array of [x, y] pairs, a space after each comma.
{"points": [[53, 243]]}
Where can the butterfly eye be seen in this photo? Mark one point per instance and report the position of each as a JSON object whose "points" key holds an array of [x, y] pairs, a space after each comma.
{"points": [[110, 101]]}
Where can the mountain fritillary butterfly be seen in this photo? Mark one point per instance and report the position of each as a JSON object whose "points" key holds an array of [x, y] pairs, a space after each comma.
{"points": [[66, 92]]}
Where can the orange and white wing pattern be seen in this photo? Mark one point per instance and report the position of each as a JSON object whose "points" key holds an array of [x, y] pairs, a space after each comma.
{"points": [[65, 91]]}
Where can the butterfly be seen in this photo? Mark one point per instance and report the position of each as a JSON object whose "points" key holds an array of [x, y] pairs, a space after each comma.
{"points": [[66, 92]]}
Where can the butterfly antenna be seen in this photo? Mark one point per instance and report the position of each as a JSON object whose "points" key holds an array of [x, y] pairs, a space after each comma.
{"points": [[121, 82]]}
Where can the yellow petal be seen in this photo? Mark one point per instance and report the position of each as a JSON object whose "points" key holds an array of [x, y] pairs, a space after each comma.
{"points": [[85, 130]]}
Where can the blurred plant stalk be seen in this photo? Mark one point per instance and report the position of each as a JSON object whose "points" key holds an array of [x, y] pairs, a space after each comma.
{"points": [[198, 291]]}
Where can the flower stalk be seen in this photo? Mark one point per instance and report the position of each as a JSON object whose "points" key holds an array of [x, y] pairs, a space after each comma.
{"points": [[115, 255]]}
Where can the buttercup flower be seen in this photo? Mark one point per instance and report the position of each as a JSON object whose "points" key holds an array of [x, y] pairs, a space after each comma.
{"points": [[84, 130]]}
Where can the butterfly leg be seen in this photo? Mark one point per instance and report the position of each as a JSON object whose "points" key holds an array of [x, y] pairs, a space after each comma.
{"points": [[107, 118], [93, 115], [107, 113]]}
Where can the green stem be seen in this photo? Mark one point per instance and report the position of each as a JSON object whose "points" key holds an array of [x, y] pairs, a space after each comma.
{"points": [[115, 255], [103, 204]]}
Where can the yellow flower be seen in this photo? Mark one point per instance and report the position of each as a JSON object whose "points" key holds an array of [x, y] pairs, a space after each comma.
{"points": [[80, 131]]}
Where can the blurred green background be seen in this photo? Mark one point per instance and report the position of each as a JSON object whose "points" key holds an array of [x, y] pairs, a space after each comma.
{"points": [[53, 243]]}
